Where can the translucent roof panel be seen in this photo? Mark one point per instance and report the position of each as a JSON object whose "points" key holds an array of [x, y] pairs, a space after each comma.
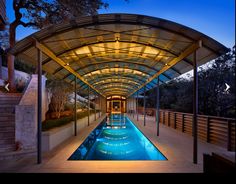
{"points": [[118, 54]]}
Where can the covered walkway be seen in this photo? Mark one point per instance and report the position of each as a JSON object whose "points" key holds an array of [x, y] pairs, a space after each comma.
{"points": [[173, 144], [118, 54]]}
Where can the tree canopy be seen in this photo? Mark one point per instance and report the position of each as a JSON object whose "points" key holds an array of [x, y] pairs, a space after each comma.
{"points": [[41, 13], [214, 97]]}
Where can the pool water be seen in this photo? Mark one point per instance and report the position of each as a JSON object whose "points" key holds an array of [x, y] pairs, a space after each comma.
{"points": [[117, 138]]}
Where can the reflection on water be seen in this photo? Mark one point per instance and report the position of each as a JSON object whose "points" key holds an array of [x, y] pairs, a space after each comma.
{"points": [[116, 139]]}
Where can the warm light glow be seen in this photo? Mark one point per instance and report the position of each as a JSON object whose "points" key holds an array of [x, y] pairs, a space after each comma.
{"points": [[117, 40], [150, 50], [116, 70], [83, 50], [115, 96], [116, 80]]}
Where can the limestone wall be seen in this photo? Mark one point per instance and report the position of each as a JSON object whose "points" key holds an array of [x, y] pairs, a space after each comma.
{"points": [[26, 114], [26, 126]]}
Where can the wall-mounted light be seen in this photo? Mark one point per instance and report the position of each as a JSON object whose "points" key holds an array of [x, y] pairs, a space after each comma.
{"points": [[117, 39]]}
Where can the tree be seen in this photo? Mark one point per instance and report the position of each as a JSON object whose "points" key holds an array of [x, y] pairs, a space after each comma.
{"points": [[60, 91], [213, 97], [4, 38], [183, 95], [41, 13], [4, 44]]}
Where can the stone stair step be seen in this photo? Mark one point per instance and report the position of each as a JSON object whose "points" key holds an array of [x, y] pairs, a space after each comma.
{"points": [[7, 108], [17, 154], [6, 114], [10, 95], [7, 129], [7, 148], [7, 134], [9, 102], [7, 138], [4, 130], [7, 141], [7, 124], [7, 118]]}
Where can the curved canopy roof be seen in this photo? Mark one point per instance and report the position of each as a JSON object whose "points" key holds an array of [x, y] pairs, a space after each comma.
{"points": [[118, 54]]}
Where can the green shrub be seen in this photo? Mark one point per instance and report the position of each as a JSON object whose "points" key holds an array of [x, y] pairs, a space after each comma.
{"points": [[52, 123], [68, 106]]}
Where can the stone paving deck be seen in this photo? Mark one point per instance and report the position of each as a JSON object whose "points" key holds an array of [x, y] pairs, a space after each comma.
{"points": [[175, 145]]}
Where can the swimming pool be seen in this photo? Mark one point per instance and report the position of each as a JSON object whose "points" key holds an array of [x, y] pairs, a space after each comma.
{"points": [[117, 138]]}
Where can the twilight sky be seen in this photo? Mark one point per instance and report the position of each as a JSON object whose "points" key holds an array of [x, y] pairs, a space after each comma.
{"points": [[215, 18]]}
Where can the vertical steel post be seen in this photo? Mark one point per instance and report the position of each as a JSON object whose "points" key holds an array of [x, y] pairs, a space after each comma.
{"points": [[137, 105], [99, 106], [95, 116], [88, 105], [104, 107], [75, 108], [195, 108], [111, 105], [133, 106], [144, 107], [39, 117], [157, 106], [127, 105]]}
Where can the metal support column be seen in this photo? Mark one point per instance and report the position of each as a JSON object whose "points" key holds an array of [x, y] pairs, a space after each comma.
{"points": [[100, 106], [158, 106], [137, 105], [95, 116], [105, 104], [195, 107], [88, 104], [144, 107], [133, 106], [75, 108], [127, 105], [39, 109]]}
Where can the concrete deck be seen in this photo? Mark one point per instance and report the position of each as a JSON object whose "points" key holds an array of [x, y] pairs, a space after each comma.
{"points": [[175, 145]]}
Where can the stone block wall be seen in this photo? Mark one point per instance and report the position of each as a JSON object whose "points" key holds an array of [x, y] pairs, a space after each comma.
{"points": [[26, 127], [26, 114]]}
